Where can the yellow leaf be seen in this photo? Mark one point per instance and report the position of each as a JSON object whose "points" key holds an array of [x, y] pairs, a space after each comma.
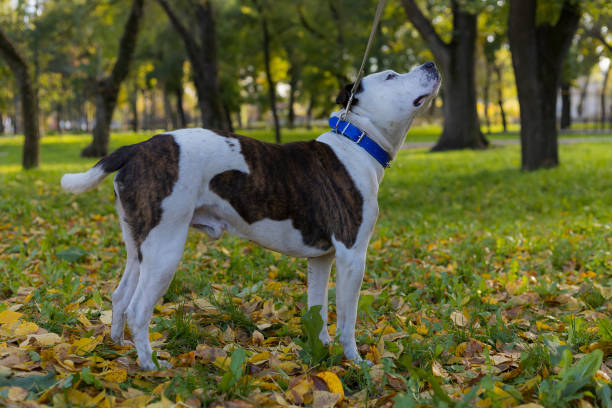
{"points": [[376, 245], [300, 393], [502, 398], [136, 402], [289, 367], [153, 336], [78, 398], [116, 376], [45, 339], [164, 403], [9, 317], [333, 382], [259, 358], [160, 388], [86, 345], [84, 320], [25, 328], [543, 326]]}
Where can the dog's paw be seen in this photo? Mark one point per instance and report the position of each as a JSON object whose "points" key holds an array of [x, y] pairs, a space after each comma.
{"points": [[325, 339], [352, 355], [150, 365], [121, 342]]}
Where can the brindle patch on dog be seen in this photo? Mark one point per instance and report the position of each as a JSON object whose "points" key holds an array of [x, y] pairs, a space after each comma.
{"points": [[144, 181], [304, 182]]}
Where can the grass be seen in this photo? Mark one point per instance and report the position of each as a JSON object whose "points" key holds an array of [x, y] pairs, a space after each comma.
{"points": [[473, 262]]}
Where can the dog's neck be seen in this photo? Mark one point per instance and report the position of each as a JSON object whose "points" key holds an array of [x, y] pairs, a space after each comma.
{"points": [[390, 137]]}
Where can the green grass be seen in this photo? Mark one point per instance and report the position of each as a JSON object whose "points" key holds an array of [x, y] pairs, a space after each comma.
{"points": [[525, 256]]}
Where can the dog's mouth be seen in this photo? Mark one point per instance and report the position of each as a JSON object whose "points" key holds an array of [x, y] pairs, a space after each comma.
{"points": [[419, 101]]}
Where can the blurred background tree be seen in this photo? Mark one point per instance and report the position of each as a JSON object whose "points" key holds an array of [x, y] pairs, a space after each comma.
{"points": [[240, 64]]}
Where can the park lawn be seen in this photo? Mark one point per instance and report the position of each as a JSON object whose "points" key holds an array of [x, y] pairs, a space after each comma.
{"points": [[494, 283]]}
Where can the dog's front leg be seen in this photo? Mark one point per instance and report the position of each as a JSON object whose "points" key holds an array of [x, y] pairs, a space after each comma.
{"points": [[350, 267], [318, 278]]}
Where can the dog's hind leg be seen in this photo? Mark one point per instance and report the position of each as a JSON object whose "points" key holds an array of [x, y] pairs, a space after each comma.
{"points": [[124, 291], [318, 278], [161, 253]]}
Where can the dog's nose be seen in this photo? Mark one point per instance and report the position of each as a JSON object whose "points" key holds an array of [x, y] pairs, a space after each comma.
{"points": [[429, 65]]}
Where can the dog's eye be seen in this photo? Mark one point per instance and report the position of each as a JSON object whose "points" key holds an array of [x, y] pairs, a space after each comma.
{"points": [[391, 76]]}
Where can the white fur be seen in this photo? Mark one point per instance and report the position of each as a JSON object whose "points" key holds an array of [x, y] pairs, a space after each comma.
{"points": [[385, 111], [80, 182]]}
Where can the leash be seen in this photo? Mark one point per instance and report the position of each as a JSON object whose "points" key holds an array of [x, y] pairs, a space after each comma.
{"points": [[379, 10]]}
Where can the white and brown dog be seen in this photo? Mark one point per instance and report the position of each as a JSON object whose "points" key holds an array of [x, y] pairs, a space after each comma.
{"points": [[314, 199]]}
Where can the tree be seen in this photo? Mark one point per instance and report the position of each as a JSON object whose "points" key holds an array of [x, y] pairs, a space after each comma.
{"points": [[203, 58], [456, 61], [539, 45], [107, 88], [265, 43], [29, 103]]}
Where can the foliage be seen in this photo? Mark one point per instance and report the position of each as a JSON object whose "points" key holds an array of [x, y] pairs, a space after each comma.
{"points": [[483, 285]]}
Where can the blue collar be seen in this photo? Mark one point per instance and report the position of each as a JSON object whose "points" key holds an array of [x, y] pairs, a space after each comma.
{"points": [[358, 136]]}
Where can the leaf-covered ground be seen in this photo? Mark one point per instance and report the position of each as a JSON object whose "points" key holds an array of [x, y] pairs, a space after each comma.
{"points": [[485, 286]]}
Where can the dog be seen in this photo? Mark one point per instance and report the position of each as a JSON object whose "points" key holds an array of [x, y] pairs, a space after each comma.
{"points": [[315, 199]]}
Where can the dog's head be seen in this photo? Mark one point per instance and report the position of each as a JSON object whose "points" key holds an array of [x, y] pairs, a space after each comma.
{"points": [[390, 100]]}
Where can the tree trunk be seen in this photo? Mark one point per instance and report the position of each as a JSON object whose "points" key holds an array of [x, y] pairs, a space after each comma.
{"points": [[105, 105], [309, 112], [583, 94], [29, 104], [500, 96], [228, 117], [203, 58], [456, 60], [537, 56], [153, 109], [271, 84], [1, 124], [487, 85], [170, 115], [293, 83], [133, 98], [182, 120], [602, 99], [566, 106], [107, 89], [58, 119], [17, 109]]}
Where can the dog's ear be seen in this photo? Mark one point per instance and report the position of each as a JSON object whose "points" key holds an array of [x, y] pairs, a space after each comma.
{"points": [[345, 94]]}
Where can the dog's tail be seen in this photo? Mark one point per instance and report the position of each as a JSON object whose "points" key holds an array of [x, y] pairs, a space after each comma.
{"points": [[80, 182]]}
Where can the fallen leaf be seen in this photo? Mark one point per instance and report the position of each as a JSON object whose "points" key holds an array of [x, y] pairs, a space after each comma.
{"points": [[9, 317], [333, 382], [86, 345], [25, 328], [116, 376], [324, 399], [458, 318], [106, 317]]}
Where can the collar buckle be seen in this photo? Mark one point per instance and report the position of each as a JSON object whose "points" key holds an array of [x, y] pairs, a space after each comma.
{"points": [[360, 137]]}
